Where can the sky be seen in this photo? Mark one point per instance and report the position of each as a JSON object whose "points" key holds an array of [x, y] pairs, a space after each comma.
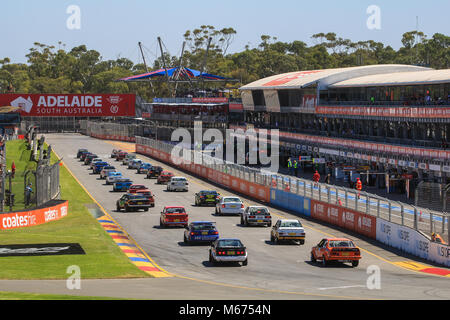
{"points": [[114, 27]]}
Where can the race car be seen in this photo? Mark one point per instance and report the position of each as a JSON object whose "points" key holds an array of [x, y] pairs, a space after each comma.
{"points": [[114, 153], [228, 250], [132, 202], [201, 231], [84, 154], [128, 157], [208, 197], [133, 188], [93, 162], [287, 229], [336, 249], [88, 159], [178, 183], [256, 215], [143, 168], [112, 177], [134, 164], [122, 184], [121, 155], [148, 194], [80, 151], [98, 167], [173, 216], [106, 170], [164, 177], [230, 205], [154, 172]]}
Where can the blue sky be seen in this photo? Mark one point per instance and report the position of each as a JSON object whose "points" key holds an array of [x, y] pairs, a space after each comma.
{"points": [[114, 27]]}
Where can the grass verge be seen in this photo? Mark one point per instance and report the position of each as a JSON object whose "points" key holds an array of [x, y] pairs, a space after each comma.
{"points": [[103, 258]]}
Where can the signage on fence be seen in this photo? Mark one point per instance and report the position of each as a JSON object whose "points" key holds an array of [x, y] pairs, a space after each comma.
{"points": [[209, 100], [33, 217], [71, 105]]}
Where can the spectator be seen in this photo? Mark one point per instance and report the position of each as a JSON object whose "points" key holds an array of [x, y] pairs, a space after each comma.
{"points": [[316, 178], [28, 192], [328, 178]]}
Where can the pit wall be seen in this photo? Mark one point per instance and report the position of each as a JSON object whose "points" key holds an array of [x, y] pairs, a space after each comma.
{"points": [[391, 234], [30, 218]]}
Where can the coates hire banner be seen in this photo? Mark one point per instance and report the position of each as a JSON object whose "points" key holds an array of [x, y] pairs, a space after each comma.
{"points": [[33, 217], [71, 105]]}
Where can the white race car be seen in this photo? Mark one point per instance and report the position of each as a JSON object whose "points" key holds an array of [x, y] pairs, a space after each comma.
{"points": [[230, 205]]}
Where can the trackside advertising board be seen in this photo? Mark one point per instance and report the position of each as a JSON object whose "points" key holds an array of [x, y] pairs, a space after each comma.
{"points": [[35, 217], [412, 241], [71, 105]]}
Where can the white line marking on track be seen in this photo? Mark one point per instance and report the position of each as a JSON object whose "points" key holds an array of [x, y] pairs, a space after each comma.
{"points": [[343, 287]]}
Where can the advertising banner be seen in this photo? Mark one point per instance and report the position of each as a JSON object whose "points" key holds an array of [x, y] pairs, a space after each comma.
{"points": [[33, 217], [71, 105]]}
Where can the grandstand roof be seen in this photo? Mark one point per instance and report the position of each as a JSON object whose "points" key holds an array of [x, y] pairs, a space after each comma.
{"points": [[326, 77], [400, 78]]}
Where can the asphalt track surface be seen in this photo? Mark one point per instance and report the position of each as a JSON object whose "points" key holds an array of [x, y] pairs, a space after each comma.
{"points": [[274, 271]]}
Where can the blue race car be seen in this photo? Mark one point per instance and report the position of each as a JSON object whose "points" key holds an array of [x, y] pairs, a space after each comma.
{"points": [[143, 168], [99, 166], [122, 184], [201, 231]]}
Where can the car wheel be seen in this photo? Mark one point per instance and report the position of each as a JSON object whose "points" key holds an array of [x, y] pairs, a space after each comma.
{"points": [[185, 239], [242, 221], [272, 238], [117, 208], [313, 259], [145, 209], [161, 225], [244, 263], [324, 261], [127, 208], [275, 240], [302, 242], [211, 258], [355, 263], [216, 211]]}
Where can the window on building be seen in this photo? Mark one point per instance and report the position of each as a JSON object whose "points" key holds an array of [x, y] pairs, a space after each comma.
{"points": [[258, 98]]}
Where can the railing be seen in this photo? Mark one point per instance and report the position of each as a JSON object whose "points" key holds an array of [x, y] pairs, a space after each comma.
{"points": [[420, 219]]}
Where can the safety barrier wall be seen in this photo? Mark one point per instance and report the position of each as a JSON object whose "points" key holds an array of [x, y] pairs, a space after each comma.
{"points": [[22, 219], [412, 241], [113, 137], [365, 221]]}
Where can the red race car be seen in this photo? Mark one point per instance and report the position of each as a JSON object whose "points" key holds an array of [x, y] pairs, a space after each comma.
{"points": [[165, 177], [148, 194], [336, 249], [135, 187], [173, 216], [121, 155]]}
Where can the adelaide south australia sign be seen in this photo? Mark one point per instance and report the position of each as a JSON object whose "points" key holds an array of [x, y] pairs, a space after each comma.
{"points": [[71, 105]]}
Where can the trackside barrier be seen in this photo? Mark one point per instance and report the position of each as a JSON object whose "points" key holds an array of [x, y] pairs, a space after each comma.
{"points": [[20, 219], [110, 131], [368, 215]]}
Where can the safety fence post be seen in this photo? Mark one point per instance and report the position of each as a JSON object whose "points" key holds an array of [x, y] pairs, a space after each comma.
{"points": [[320, 192], [443, 222], [346, 199], [415, 219], [431, 222], [367, 204], [402, 214], [356, 202], [378, 208], [328, 194], [390, 211], [304, 188]]}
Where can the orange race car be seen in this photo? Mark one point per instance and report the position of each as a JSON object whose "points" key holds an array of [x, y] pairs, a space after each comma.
{"points": [[336, 249]]}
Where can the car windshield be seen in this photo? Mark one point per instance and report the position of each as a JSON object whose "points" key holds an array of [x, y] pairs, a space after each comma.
{"points": [[259, 211], [136, 197], [208, 192], [291, 224], [138, 187], [230, 243], [175, 210], [231, 200], [198, 227], [341, 243], [178, 179]]}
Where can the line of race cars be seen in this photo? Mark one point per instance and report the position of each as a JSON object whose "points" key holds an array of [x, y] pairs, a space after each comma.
{"points": [[138, 197]]}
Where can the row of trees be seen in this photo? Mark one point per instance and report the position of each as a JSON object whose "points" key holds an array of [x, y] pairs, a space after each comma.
{"points": [[80, 70]]}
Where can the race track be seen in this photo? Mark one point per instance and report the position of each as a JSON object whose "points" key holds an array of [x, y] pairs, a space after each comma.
{"points": [[274, 271]]}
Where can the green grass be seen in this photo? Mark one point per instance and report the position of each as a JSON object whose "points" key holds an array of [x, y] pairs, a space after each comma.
{"points": [[103, 258], [36, 296]]}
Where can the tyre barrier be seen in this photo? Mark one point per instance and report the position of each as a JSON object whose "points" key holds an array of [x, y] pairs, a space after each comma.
{"points": [[51, 211]]}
